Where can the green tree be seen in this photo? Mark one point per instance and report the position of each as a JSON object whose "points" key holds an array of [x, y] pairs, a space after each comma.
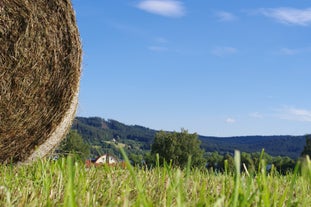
{"points": [[74, 144], [227, 158], [213, 160], [136, 159], [177, 148], [246, 159], [284, 164], [307, 148]]}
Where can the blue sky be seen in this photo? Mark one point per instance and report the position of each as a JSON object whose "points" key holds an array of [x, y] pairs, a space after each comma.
{"points": [[219, 68]]}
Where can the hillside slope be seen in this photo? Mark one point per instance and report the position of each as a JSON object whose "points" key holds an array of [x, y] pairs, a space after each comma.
{"points": [[99, 132]]}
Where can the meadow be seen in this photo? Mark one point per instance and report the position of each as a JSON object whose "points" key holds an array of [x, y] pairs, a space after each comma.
{"points": [[67, 182]]}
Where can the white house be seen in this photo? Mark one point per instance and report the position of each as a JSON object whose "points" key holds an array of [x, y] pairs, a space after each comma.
{"points": [[106, 159]]}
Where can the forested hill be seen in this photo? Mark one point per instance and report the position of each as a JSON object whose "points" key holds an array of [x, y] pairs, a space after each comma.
{"points": [[283, 145], [99, 132]]}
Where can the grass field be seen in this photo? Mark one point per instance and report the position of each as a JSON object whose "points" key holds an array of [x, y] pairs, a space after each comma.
{"points": [[68, 183]]}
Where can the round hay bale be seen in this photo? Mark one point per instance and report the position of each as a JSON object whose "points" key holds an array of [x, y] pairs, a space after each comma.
{"points": [[40, 66]]}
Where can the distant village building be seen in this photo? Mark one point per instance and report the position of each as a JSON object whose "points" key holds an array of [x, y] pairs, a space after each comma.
{"points": [[107, 159]]}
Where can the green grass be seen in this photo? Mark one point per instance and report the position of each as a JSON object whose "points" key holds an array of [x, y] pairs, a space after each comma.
{"points": [[68, 183]]}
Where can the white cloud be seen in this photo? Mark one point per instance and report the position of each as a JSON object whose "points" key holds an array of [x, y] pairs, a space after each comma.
{"points": [[222, 51], [230, 120], [225, 16], [295, 114], [168, 8], [293, 16]]}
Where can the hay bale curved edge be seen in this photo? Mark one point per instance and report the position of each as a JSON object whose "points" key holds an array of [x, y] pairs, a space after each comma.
{"points": [[56, 137], [40, 67]]}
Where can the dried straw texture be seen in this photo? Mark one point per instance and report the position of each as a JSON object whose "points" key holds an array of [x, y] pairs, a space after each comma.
{"points": [[40, 66]]}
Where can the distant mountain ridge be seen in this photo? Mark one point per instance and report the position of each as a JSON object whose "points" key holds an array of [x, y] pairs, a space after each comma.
{"points": [[277, 145], [97, 131]]}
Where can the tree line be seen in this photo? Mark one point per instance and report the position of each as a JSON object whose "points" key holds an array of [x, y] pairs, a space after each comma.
{"points": [[175, 149], [180, 149]]}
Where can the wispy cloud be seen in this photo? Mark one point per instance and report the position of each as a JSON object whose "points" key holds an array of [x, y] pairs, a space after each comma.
{"points": [[223, 51], [294, 51], [230, 120], [159, 45], [126, 28], [168, 8], [291, 16], [225, 16], [287, 51], [256, 115], [158, 48], [161, 40], [295, 114]]}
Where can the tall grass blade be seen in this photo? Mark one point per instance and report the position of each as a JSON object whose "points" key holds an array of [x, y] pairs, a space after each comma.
{"points": [[142, 201], [237, 163], [70, 195]]}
